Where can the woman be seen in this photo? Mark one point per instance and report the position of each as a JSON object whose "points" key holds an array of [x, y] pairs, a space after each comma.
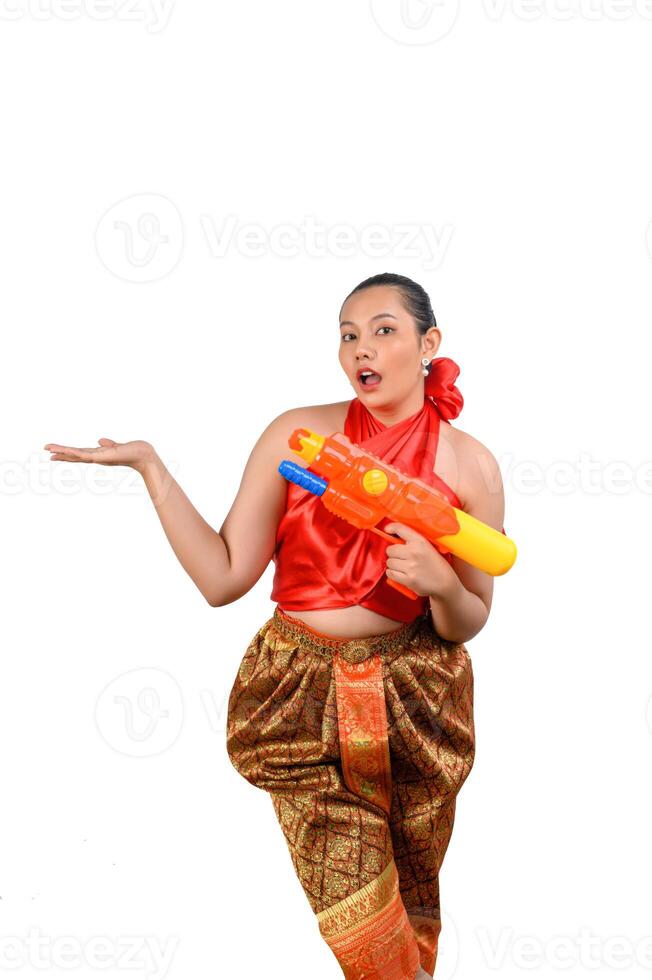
{"points": [[353, 704]]}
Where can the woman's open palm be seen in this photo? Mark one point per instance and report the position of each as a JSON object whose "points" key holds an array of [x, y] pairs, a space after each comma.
{"points": [[109, 452]]}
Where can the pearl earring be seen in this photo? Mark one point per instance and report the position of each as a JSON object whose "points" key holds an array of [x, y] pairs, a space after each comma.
{"points": [[424, 369]]}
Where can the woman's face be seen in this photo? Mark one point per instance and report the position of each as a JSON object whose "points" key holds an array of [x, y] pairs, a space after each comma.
{"points": [[378, 334]]}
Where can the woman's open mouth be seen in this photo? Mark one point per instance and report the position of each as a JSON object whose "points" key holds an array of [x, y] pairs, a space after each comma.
{"points": [[369, 379]]}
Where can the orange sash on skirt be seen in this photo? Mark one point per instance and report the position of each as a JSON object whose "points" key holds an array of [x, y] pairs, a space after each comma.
{"points": [[363, 745]]}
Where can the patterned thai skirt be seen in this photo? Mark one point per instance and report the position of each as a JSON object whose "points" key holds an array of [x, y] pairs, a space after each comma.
{"points": [[363, 746]]}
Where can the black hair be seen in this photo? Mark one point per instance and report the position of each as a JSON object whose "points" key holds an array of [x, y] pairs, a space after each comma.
{"points": [[415, 298]]}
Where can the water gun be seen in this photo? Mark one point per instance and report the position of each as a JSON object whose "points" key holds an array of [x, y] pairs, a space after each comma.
{"points": [[362, 489]]}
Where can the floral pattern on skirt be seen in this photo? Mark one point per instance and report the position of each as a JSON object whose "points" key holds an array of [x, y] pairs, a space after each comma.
{"points": [[363, 746]]}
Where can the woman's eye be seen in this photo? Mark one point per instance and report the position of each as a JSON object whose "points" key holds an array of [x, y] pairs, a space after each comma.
{"points": [[391, 329]]}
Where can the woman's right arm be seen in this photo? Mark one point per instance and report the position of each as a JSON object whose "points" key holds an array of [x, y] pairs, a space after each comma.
{"points": [[224, 565]]}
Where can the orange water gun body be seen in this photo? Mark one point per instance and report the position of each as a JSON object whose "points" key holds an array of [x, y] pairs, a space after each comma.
{"points": [[363, 489]]}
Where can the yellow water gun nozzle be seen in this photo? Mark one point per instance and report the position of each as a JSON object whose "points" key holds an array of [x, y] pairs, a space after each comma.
{"points": [[306, 443]]}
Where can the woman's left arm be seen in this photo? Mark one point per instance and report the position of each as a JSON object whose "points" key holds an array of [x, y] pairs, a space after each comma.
{"points": [[460, 595]]}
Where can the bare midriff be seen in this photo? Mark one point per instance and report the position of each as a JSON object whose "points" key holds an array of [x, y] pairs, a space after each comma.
{"points": [[351, 622]]}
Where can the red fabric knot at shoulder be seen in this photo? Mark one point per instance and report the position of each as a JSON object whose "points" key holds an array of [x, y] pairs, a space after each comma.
{"points": [[440, 386]]}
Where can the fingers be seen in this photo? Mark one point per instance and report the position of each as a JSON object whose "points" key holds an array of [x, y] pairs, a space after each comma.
{"points": [[397, 564], [70, 453], [71, 458], [394, 573], [404, 531], [395, 527], [395, 551]]}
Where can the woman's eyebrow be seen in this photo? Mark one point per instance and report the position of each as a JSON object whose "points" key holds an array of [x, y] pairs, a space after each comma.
{"points": [[378, 316]]}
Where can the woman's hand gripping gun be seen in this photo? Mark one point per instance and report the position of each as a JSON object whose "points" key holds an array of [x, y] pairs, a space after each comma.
{"points": [[362, 488]]}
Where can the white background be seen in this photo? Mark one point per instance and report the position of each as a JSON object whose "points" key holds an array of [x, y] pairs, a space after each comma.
{"points": [[144, 150]]}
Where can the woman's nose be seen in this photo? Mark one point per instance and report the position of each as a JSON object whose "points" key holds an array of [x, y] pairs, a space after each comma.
{"points": [[363, 352]]}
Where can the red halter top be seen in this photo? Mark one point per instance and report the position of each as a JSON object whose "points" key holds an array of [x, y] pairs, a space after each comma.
{"points": [[322, 561]]}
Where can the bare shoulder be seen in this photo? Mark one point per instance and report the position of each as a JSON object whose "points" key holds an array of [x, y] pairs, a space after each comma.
{"points": [[469, 448], [479, 477], [324, 419], [482, 496]]}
